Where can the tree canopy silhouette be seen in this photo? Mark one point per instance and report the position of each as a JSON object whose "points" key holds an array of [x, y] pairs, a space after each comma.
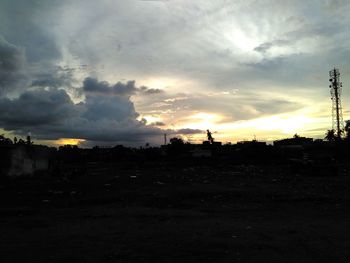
{"points": [[347, 129], [176, 141], [330, 135], [4, 140]]}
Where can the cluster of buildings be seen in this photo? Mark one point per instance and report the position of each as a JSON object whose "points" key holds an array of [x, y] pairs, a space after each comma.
{"points": [[17, 159]]}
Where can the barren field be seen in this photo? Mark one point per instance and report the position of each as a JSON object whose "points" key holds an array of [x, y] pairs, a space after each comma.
{"points": [[176, 214]]}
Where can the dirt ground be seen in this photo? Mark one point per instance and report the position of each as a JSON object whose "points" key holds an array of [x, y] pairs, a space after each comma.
{"points": [[176, 214]]}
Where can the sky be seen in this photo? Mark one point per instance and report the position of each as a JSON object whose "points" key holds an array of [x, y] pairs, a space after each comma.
{"points": [[113, 72]]}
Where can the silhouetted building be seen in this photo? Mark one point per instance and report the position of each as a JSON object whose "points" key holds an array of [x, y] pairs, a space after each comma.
{"points": [[251, 143], [295, 141], [211, 144], [18, 160]]}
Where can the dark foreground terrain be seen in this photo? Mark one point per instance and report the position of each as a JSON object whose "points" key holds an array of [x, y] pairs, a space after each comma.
{"points": [[176, 214]]}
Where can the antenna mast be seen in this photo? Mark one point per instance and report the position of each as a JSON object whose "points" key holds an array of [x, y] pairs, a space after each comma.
{"points": [[337, 115]]}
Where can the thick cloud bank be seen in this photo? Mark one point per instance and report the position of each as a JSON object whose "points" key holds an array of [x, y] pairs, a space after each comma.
{"points": [[106, 115], [50, 114], [12, 62], [92, 86]]}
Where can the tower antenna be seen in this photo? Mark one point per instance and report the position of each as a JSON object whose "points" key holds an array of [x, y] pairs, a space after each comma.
{"points": [[337, 115]]}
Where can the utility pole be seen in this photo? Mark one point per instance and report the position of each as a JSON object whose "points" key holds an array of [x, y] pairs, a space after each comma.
{"points": [[165, 139]]}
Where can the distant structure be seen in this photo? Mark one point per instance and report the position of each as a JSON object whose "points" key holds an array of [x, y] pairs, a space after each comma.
{"points": [[296, 141], [337, 115], [210, 137], [211, 140], [165, 139]]}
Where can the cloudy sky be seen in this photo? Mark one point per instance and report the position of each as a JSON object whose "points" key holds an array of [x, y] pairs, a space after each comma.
{"points": [[114, 71]]}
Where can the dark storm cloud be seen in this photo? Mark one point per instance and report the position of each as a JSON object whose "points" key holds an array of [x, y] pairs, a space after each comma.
{"points": [[113, 108], [149, 91], [12, 63], [29, 24], [12, 58], [28, 49], [56, 77], [36, 108], [92, 85], [51, 114]]}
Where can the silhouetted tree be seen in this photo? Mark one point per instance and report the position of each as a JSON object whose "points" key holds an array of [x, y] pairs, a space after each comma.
{"points": [[4, 140], [177, 147], [330, 135], [176, 141], [296, 136], [347, 129], [21, 141], [68, 147], [29, 141]]}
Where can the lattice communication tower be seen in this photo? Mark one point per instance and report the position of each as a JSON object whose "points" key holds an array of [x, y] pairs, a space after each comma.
{"points": [[337, 115]]}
